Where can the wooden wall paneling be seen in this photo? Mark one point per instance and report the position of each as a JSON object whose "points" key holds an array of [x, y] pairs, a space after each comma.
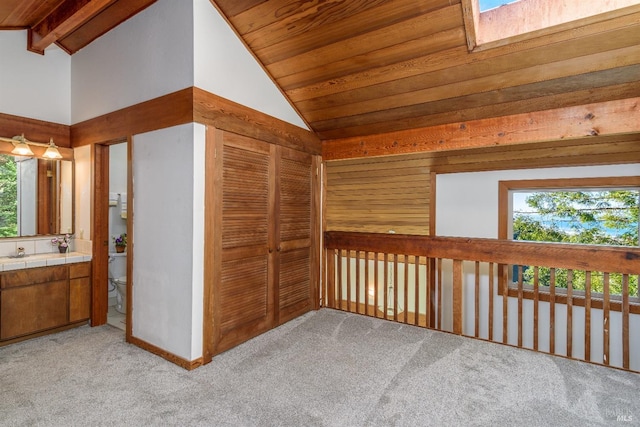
{"points": [[380, 195], [558, 124], [35, 130]]}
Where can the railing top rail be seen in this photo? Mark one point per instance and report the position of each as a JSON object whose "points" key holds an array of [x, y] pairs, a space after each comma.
{"points": [[602, 258]]}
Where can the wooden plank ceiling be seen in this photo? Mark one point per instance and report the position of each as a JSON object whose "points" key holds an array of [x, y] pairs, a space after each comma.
{"points": [[71, 24], [362, 67]]}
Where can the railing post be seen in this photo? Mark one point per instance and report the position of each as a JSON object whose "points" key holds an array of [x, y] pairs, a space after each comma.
{"points": [[457, 296]]}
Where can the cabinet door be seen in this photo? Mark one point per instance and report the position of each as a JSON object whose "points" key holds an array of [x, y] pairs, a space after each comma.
{"points": [[242, 287], [79, 299], [294, 228], [29, 309]]}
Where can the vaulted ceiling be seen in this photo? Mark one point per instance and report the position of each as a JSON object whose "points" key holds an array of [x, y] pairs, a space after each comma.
{"points": [[362, 67], [71, 24]]}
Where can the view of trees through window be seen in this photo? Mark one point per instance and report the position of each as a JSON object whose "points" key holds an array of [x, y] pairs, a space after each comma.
{"points": [[8, 196], [606, 217]]}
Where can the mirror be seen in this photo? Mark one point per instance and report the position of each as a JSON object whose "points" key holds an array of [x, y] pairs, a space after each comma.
{"points": [[36, 196]]}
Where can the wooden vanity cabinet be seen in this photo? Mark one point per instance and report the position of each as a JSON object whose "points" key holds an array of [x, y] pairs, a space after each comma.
{"points": [[35, 300]]}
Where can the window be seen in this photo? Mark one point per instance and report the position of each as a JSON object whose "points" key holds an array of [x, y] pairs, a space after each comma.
{"points": [[601, 211], [491, 23]]}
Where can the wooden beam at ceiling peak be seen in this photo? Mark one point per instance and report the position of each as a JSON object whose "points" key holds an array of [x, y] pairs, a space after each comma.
{"points": [[600, 119], [63, 20]]}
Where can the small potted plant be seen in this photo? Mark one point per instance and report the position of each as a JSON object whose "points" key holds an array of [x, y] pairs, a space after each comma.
{"points": [[120, 242], [62, 242]]}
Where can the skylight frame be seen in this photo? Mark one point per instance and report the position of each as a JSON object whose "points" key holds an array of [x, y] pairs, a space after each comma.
{"points": [[485, 30]]}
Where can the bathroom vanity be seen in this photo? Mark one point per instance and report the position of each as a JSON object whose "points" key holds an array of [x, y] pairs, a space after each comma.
{"points": [[41, 300]]}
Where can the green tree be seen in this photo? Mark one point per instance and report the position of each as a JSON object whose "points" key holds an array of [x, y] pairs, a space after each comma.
{"points": [[583, 217], [8, 197]]}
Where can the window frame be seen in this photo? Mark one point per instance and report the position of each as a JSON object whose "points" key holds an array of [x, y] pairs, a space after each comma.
{"points": [[505, 188], [478, 39]]}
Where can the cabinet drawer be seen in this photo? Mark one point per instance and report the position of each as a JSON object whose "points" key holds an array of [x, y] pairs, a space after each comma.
{"points": [[29, 309], [79, 270], [32, 276]]}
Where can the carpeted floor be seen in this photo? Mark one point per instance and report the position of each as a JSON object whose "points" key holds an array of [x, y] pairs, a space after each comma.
{"points": [[327, 368]]}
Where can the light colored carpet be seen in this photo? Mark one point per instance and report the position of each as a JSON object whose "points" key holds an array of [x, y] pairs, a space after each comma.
{"points": [[326, 368]]}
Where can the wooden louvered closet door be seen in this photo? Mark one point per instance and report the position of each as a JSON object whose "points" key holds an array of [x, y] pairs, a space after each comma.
{"points": [[294, 234], [242, 284], [259, 244]]}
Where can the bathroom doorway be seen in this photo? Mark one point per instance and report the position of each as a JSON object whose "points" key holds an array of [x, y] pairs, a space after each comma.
{"points": [[118, 236]]}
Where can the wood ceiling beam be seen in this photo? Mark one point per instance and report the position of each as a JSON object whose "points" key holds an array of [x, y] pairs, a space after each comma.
{"points": [[604, 118], [63, 20]]}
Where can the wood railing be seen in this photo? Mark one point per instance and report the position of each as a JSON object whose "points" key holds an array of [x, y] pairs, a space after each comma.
{"points": [[470, 286]]}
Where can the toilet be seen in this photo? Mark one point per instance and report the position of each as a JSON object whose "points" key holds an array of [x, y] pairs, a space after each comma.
{"points": [[121, 286], [118, 277]]}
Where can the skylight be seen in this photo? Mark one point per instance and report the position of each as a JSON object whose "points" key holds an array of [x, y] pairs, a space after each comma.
{"points": [[492, 4]]}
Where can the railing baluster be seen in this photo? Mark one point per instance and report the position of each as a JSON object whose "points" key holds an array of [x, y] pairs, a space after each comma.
{"points": [[605, 314], [625, 321], [587, 316], [331, 278], [357, 281], [395, 287], [536, 308], [520, 298], [505, 304], [339, 280], [439, 295], [552, 311], [416, 267], [406, 289], [366, 283], [490, 301], [386, 278], [349, 281], [477, 301], [569, 313], [376, 280]]}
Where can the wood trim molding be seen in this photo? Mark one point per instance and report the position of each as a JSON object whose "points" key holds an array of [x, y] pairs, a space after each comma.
{"points": [[35, 130], [586, 121], [183, 363], [165, 111], [193, 105], [213, 110]]}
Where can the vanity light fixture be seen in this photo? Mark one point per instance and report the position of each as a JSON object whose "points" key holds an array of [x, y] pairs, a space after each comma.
{"points": [[21, 147], [52, 151]]}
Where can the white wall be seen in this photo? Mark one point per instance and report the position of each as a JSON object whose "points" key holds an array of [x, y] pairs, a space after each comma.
{"points": [[33, 85], [148, 56], [83, 184], [168, 176], [225, 67], [467, 203], [118, 185], [467, 206]]}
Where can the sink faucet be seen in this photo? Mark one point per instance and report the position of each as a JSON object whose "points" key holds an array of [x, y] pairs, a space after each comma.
{"points": [[20, 253]]}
